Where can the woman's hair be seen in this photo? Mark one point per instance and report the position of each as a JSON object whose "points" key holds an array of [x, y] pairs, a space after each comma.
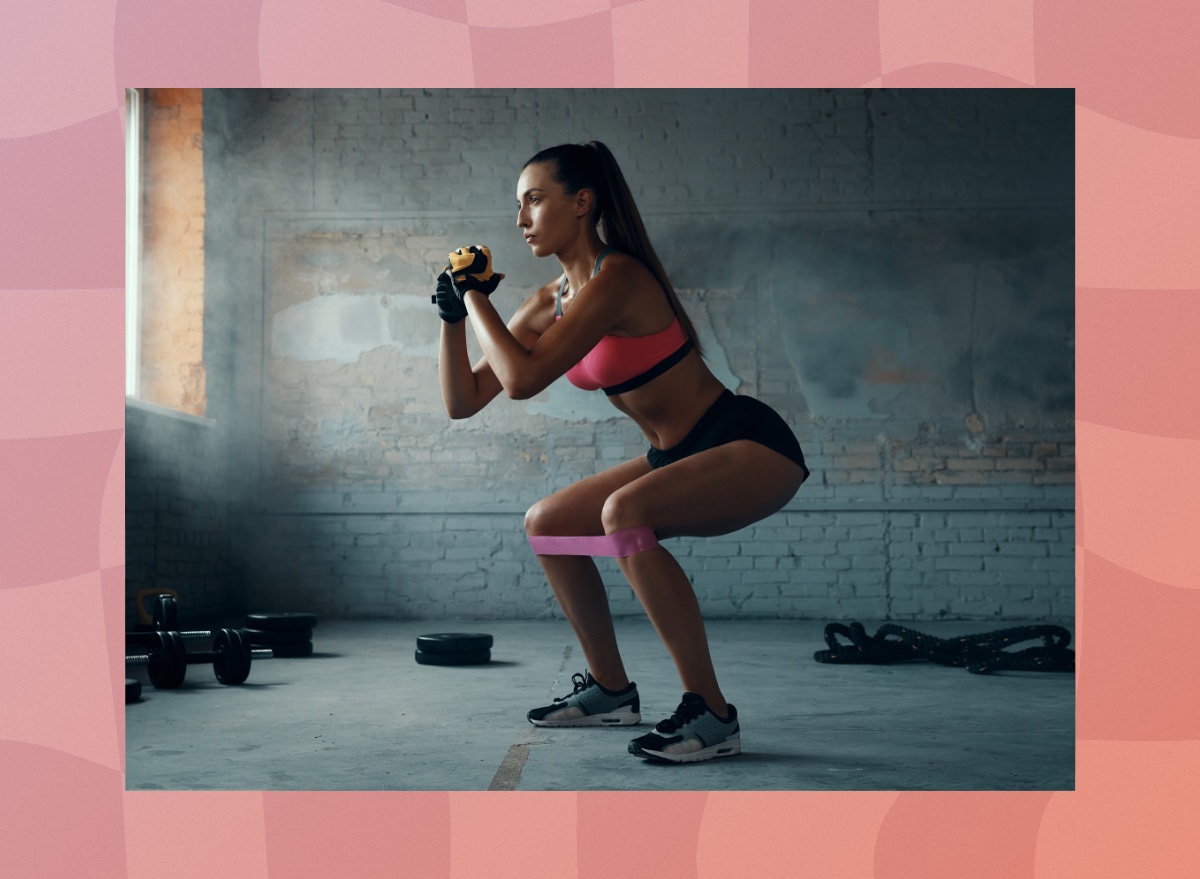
{"points": [[592, 166]]}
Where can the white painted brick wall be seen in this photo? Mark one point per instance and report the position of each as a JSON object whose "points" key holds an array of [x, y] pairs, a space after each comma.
{"points": [[907, 566], [942, 529]]}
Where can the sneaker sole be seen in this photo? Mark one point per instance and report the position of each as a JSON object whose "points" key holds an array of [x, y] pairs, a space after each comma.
{"points": [[731, 747], [625, 717]]}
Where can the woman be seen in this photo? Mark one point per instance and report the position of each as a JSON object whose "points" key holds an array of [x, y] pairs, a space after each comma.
{"points": [[717, 462]]}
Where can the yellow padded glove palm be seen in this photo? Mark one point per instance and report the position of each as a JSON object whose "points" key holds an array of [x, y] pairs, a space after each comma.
{"points": [[471, 269]]}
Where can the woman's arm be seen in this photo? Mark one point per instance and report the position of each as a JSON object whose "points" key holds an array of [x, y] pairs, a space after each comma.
{"points": [[525, 370], [465, 389]]}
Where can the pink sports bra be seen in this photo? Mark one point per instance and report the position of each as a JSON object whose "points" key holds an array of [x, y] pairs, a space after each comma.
{"points": [[621, 363]]}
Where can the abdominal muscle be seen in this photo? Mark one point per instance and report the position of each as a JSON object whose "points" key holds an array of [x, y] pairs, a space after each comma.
{"points": [[668, 407]]}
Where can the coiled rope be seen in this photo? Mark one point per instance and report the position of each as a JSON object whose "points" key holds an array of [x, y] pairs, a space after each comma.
{"points": [[981, 653]]}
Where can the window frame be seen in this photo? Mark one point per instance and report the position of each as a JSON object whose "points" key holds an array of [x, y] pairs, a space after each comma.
{"points": [[133, 239]]}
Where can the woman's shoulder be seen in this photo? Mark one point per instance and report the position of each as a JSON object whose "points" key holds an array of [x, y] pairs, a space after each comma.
{"points": [[626, 270], [619, 260], [635, 291], [628, 273]]}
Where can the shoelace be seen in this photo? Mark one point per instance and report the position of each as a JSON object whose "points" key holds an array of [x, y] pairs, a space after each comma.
{"points": [[581, 684], [687, 710]]}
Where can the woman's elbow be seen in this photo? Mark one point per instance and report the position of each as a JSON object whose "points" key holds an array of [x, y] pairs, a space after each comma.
{"points": [[458, 410], [518, 392], [524, 389]]}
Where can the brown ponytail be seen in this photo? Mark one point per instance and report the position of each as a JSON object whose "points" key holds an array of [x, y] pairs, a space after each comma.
{"points": [[593, 167]]}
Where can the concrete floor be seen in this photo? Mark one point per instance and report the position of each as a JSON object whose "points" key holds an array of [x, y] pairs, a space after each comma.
{"points": [[361, 714]]}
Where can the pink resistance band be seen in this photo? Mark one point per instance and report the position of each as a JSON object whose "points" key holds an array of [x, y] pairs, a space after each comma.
{"points": [[619, 544]]}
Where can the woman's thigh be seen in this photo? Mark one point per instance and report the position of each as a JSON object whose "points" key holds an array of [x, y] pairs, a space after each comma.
{"points": [[713, 492], [575, 510]]}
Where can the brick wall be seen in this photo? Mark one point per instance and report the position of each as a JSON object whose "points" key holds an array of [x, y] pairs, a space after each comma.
{"points": [[891, 270], [845, 564], [177, 522]]}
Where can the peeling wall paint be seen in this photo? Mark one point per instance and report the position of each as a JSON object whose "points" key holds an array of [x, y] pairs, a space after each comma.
{"points": [[892, 270], [344, 326]]}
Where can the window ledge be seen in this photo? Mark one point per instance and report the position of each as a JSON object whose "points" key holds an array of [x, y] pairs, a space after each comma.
{"points": [[147, 406]]}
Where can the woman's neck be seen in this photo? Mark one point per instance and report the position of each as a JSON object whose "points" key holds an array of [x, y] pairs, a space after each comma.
{"points": [[580, 260]]}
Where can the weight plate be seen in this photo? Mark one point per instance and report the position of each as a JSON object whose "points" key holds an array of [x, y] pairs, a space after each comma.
{"points": [[291, 651], [244, 650], [454, 642], [166, 614], [464, 657], [270, 639], [168, 661], [281, 622], [181, 652], [133, 690], [230, 663]]}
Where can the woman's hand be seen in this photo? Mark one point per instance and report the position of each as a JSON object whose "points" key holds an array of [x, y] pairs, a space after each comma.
{"points": [[471, 269], [449, 302]]}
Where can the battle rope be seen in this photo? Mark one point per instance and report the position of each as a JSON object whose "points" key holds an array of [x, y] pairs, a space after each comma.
{"points": [[981, 653]]}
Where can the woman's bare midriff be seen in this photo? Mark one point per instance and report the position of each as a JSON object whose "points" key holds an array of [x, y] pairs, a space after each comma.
{"points": [[668, 407]]}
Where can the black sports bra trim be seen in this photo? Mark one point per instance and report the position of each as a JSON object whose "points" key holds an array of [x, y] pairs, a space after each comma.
{"points": [[653, 372]]}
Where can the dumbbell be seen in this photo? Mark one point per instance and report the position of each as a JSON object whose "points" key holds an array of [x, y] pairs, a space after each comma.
{"points": [[165, 615], [167, 659]]}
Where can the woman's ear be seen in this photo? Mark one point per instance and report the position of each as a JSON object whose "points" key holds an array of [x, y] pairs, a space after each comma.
{"points": [[584, 199]]}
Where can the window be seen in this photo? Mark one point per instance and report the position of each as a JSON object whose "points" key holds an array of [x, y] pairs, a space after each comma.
{"points": [[133, 235], [165, 248]]}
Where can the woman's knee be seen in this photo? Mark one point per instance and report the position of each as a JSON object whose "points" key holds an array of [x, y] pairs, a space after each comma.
{"points": [[538, 519], [560, 515], [623, 509]]}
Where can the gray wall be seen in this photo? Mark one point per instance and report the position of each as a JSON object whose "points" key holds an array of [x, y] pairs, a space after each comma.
{"points": [[892, 270], [177, 516]]}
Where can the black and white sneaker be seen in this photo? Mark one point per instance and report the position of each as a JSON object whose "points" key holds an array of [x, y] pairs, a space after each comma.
{"points": [[589, 704], [693, 733]]}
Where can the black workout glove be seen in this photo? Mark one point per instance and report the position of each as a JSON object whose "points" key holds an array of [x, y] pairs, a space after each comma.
{"points": [[451, 308], [472, 270]]}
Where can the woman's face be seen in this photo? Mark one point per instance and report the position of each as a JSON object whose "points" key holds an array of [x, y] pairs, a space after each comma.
{"points": [[547, 216]]}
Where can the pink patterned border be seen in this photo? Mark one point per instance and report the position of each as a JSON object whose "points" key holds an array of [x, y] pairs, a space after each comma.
{"points": [[63, 807]]}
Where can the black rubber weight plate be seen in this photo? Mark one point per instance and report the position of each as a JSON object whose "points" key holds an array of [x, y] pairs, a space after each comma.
{"points": [[281, 622], [133, 689], [454, 642], [290, 651], [270, 639], [166, 614], [233, 657], [473, 657], [168, 662]]}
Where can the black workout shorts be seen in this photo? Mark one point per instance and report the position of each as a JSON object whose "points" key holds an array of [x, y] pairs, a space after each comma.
{"points": [[734, 417]]}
